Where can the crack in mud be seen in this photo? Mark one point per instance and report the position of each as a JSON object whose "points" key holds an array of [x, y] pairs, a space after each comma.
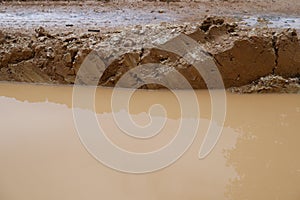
{"points": [[276, 49]]}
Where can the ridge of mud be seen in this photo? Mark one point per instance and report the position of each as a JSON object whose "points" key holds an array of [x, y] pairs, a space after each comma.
{"points": [[270, 84], [242, 55]]}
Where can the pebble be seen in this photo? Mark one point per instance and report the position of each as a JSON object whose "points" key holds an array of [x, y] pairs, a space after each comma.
{"points": [[41, 32], [67, 58], [50, 52], [129, 43], [42, 39], [115, 40]]}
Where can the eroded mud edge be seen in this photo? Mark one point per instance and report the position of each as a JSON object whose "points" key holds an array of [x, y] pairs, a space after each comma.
{"points": [[243, 55]]}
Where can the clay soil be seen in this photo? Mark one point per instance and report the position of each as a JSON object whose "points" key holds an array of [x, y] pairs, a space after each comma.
{"points": [[47, 42]]}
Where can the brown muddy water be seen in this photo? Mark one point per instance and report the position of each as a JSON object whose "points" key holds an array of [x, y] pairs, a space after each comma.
{"points": [[42, 157]]}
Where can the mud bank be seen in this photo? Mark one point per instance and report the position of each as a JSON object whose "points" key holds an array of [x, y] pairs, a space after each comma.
{"points": [[242, 55]]}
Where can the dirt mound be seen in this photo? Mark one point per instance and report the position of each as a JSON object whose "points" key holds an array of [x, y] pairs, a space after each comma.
{"points": [[242, 55]]}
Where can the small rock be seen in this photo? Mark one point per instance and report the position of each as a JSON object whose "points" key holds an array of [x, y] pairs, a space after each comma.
{"points": [[292, 32], [129, 43], [135, 31], [70, 38], [42, 39], [50, 53], [163, 23], [42, 32], [115, 40], [103, 44], [84, 35], [67, 58], [73, 51]]}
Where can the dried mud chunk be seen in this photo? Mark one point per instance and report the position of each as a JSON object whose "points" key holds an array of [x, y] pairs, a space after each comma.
{"points": [[64, 71], [67, 58], [217, 31], [155, 55], [17, 54], [50, 52], [73, 51], [288, 45], [270, 84], [79, 58], [42, 32], [199, 35], [40, 50], [246, 60], [208, 22], [231, 27], [118, 68], [71, 38], [27, 71]]}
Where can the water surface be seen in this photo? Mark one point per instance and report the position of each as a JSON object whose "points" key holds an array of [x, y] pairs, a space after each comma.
{"points": [[257, 156]]}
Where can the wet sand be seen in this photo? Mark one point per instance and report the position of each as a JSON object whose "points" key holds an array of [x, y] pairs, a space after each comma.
{"points": [[42, 156]]}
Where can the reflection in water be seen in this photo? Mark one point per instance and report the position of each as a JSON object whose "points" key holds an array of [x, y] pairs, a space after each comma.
{"points": [[266, 155], [42, 157]]}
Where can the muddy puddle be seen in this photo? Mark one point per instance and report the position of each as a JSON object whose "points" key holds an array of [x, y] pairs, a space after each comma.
{"points": [[271, 21], [42, 156], [98, 17]]}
